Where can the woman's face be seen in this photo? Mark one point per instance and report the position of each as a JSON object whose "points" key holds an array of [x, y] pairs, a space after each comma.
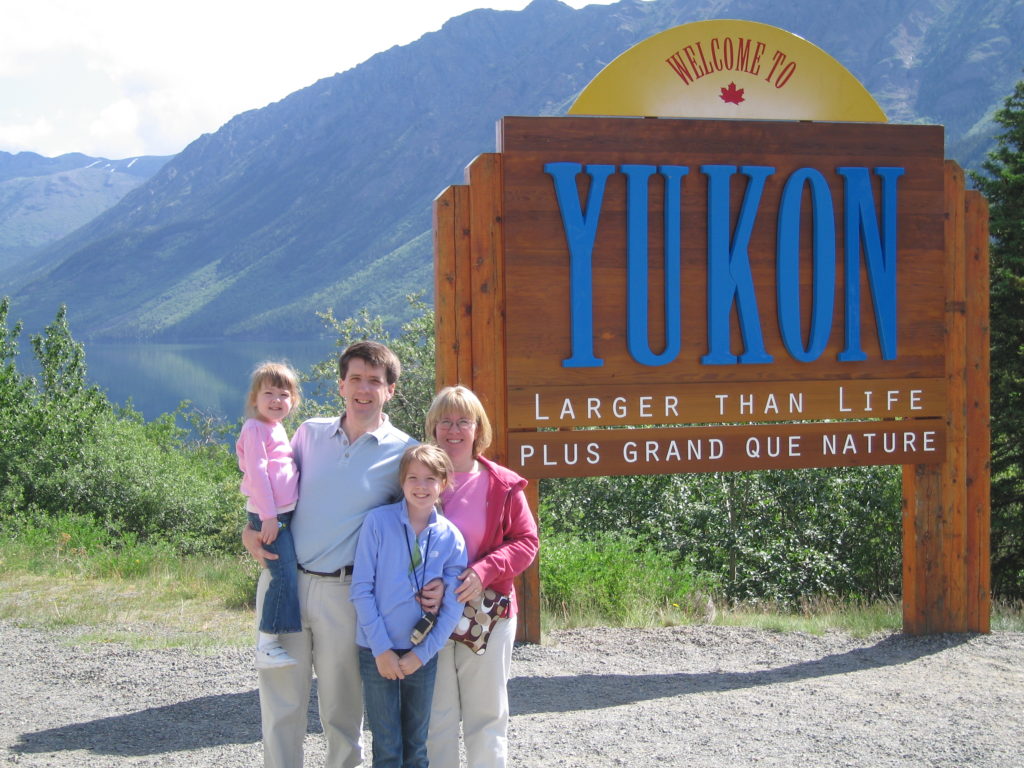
{"points": [[456, 433]]}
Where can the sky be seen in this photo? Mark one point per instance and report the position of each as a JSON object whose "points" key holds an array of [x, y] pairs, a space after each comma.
{"points": [[121, 78]]}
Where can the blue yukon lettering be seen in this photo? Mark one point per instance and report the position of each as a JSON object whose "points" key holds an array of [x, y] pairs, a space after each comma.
{"points": [[636, 258], [730, 281], [580, 233], [729, 276], [880, 254], [787, 261]]}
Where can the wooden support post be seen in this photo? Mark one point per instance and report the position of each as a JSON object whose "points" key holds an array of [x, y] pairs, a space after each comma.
{"points": [[948, 606], [528, 582], [486, 256], [978, 416], [446, 348], [452, 288], [945, 506], [470, 333]]}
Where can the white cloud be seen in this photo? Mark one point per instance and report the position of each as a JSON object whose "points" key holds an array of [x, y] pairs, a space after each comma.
{"points": [[117, 125], [186, 68], [36, 133]]}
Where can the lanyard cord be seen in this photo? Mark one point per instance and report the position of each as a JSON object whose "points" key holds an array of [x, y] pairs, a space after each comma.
{"points": [[423, 560]]}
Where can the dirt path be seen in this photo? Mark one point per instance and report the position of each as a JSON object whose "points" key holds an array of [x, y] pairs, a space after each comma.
{"points": [[693, 696]]}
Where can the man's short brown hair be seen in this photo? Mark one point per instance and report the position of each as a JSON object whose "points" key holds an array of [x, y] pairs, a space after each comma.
{"points": [[372, 353]]}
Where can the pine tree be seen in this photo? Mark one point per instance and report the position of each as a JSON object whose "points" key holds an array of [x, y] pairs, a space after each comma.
{"points": [[1003, 184]]}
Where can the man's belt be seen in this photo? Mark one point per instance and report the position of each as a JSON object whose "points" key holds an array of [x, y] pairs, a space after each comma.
{"points": [[347, 570]]}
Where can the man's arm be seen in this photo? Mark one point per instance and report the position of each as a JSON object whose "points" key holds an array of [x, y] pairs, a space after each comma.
{"points": [[251, 541]]}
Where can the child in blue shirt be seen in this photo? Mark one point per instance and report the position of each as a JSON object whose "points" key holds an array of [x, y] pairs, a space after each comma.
{"points": [[403, 546]]}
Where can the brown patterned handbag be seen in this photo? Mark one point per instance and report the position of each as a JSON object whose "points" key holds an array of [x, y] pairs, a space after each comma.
{"points": [[478, 619]]}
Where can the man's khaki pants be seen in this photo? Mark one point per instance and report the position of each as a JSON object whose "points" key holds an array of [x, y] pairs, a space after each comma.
{"points": [[327, 645]]}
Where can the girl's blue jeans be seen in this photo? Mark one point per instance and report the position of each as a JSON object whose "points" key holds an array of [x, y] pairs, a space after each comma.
{"points": [[280, 610], [398, 712]]}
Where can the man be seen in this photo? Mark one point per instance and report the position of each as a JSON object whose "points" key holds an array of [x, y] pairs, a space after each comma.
{"points": [[347, 466]]}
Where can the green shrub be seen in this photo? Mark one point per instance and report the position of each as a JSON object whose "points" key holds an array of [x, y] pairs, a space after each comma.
{"points": [[67, 454], [776, 536], [143, 481], [611, 576]]}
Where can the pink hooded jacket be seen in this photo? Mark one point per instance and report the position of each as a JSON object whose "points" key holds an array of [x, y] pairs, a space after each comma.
{"points": [[512, 542]]}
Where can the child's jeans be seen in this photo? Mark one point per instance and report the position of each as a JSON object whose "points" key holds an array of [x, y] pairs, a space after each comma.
{"points": [[398, 712], [280, 610]]}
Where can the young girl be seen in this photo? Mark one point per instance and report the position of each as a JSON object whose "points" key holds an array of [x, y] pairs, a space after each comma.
{"points": [[271, 483], [403, 546]]}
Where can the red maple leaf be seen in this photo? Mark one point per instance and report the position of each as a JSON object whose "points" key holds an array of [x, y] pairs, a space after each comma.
{"points": [[732, 94]]}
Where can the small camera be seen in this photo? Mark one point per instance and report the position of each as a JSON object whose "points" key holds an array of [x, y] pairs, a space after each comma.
{"points": [[422, 628]]}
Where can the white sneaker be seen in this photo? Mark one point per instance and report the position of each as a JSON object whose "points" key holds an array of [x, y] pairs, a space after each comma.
{"points": [[273, 656]]}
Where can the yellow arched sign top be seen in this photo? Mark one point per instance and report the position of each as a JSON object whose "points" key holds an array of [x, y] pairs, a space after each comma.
{"points": [[728, 69]]}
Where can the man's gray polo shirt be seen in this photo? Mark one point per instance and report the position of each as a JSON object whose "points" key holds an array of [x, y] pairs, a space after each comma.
{"points": [[339, 482]]}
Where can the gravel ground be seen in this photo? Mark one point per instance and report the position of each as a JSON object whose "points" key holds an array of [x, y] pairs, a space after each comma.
{"points": [[693, 696]]}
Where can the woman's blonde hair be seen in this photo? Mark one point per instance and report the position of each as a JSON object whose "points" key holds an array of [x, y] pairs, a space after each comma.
{"points": [[430, 456], [459, 401], [280, 375]]}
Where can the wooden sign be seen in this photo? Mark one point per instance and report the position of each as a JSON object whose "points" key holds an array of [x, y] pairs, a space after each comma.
{"points": [[726, 448], [635, 296], [696, 272]]}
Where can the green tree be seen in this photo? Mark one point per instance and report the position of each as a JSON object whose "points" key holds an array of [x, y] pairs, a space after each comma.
{"points": [[54, 420], [66, 452], [15, 394], [1003, 184]]}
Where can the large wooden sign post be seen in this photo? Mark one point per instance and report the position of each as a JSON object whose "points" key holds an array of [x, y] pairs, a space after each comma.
{"points": [[637, 296]]}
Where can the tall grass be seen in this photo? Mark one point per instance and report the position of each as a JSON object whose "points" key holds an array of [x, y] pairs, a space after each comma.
{"points": [[613, 578], [70, 571], [858, 618], [1008, 616]]}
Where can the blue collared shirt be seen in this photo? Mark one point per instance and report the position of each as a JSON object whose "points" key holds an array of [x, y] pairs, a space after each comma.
{"points": [[384, 587], [338, 482]]}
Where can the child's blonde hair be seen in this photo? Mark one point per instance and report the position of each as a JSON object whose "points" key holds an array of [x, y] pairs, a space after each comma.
{"points": [[280, 375], [430, 456]]}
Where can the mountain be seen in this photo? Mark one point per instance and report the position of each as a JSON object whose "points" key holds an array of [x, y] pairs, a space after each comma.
{"points": [[42, 198], [323, 198]]}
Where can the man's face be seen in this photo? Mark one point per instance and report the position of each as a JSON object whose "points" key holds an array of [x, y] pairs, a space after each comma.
{"points": [[365, 389]]}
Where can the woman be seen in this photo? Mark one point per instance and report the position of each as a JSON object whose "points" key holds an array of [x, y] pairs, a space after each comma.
{"points": [[488, 506]]}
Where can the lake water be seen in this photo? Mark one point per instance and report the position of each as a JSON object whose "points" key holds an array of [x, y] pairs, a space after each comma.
{"points": [[214, 376]]}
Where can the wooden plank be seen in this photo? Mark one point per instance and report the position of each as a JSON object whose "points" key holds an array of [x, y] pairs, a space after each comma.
{"points": [[978, 415], [485, 320], [600, 452], [639, 404], [445, 338], [913, 582], [463, 288], [528, 582], [538, 258], [488, 314], [952, 617], [924, 587]]}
